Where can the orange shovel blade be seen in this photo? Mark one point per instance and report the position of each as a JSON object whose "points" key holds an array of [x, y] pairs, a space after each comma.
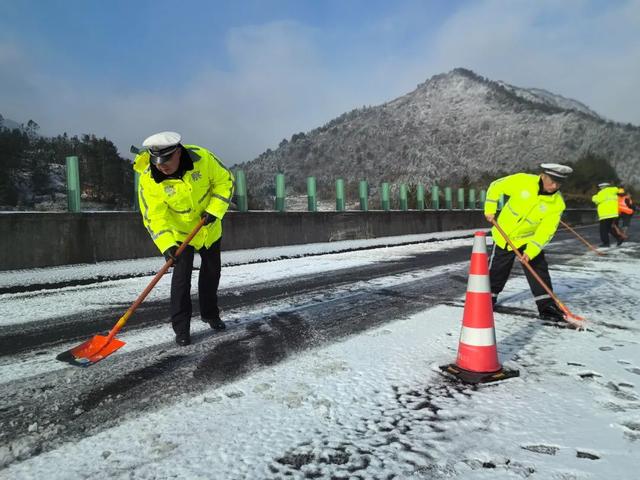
{"points": [[91, 351], [575, 320]]}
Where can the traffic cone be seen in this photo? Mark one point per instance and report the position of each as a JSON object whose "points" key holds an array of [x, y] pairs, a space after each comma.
{"points": [[477, 360]]}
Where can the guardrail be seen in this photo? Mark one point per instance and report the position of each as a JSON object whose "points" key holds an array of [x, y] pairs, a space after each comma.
{"points": [[242, 193], [42, 239]]}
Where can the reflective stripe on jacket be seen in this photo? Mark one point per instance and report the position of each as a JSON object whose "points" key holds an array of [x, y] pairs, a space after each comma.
{"points": [[622, 205], [527, 217], [172, 208], [607, 202]]}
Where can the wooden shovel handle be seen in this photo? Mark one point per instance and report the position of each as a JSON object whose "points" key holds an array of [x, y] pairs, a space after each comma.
{"points": [[581, 238], [530, 268], [123, 320]]}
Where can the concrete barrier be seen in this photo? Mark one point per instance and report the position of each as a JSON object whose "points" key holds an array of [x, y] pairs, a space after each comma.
{"points": [[30, 240]]}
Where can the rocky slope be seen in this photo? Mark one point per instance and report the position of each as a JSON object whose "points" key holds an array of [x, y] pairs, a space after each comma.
{"points": [[456, 129]]}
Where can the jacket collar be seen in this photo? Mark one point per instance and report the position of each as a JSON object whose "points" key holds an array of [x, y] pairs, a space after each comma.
{"points": [[541, 189]]}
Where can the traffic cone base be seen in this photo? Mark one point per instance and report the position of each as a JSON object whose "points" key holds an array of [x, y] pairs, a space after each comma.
{"points": [[468, 376]]}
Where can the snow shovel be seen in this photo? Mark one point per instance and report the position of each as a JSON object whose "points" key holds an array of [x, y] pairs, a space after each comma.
{"points": [[99, 347], [581, 238], [571, 318]]}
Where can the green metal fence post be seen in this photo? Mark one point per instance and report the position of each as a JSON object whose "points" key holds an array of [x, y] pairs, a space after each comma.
{"points": [[501, 202], [448, 201], [363, 193], [420, 197], [384, 197], [73, 185], [339, 195], [435, 197], [483, 197], [461, 198], [241, 191], [472, 198], [312, 201], [404, 203], [280, 207]]}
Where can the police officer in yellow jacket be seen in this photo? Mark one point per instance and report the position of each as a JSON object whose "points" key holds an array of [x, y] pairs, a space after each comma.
{"points": [[530, 218], [180, 184], [607, 202]]}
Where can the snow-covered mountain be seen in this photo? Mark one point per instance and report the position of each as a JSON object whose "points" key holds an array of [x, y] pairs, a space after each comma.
{"points": [[539, 95], [456, 128]]}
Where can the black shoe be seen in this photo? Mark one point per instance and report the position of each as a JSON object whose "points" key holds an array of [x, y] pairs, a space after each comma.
{"points": [[183, 339], [551, 312], [216, 323], [619, 242], [604, 245]]}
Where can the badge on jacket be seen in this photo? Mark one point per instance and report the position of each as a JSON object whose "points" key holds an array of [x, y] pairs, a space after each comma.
{"points": [[195, 176], [543, 207], [169, 190]]}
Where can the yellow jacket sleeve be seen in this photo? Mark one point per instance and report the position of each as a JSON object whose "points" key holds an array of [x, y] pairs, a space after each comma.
{"points": [[222, 184], [502, 186]]}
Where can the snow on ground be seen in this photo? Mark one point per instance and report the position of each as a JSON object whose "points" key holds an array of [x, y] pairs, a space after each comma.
{"points": [[149, 266], [37, 305], [238, 271], [376, 405], [26, 364]]}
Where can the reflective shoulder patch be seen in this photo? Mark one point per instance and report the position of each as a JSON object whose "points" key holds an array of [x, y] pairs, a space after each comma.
{"points": [[193, 153]]}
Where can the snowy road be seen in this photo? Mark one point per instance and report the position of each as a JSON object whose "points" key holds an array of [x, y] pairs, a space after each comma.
{"points": [[355, 339]]}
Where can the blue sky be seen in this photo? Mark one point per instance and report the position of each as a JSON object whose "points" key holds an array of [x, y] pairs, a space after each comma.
{"points": [[238, 77]]}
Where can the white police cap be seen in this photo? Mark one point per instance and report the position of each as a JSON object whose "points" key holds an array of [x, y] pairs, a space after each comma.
{"points": [[162, 145], [604, 184], [556, 170]]}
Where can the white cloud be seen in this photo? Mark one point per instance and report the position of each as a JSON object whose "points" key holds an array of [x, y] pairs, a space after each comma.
{"points": [[280, 79], [565, 47], [276, 86]]}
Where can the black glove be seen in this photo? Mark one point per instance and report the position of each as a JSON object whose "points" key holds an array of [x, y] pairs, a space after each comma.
{"points": [[208, 218], [170, 254]]}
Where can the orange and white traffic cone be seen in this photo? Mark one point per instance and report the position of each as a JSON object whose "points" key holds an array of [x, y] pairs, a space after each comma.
{"points": [[477, 360]]}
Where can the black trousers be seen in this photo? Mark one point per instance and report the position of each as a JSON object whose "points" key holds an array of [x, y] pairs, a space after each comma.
{"points": [[500, 265], [606, 228], [208, 282]]}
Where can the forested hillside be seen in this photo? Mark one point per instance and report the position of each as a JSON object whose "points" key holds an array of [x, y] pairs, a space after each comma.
{"points": [[457, 129], [34, 175]]}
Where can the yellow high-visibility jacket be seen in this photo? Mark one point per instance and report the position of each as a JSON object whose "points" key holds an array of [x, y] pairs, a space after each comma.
{"points": [[527, 217], [607, 202], [172, 208]]}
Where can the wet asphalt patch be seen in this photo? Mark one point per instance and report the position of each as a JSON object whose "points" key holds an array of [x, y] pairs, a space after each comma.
{"points": [[80, 326]]}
